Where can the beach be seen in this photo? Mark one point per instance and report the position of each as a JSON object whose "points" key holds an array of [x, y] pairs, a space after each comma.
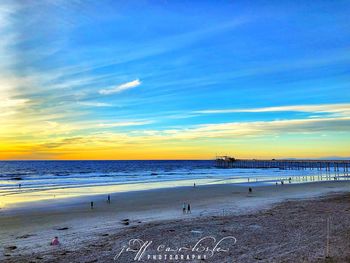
{"points": [[258, 220], [174, 131]]}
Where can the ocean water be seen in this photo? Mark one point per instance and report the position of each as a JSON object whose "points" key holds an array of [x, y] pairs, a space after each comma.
{"points": [[36, 180]]}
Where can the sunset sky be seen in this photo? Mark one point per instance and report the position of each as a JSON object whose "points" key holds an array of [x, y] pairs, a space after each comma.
{"points": [[174, 79]]}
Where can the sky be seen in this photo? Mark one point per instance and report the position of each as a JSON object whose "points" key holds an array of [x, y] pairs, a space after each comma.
{"points": [[174, 79]]}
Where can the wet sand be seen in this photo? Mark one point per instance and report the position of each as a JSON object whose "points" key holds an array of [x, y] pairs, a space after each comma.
{"points": [[269, 233]]}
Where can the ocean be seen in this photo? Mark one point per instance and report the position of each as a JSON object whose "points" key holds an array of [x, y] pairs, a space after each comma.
{"points": [[37, 180]]}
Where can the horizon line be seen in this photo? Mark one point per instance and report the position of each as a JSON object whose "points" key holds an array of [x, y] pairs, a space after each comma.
{"points": [[213, 159]]}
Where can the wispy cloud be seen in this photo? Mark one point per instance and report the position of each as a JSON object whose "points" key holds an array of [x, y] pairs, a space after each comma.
{"points": [[321, 108], [124, 124], [232, 130], [239, 130], [13, 103], [121, 87], [94, 104]]}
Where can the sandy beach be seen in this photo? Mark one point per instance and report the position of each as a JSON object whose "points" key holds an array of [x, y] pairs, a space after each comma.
{"points": [[93, 235]]}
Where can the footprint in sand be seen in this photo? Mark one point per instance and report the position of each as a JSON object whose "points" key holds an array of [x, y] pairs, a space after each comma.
{"points": [[62, 228], [11, 247], [25, 236]]}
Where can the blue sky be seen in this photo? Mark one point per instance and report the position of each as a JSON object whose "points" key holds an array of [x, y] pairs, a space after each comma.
{"points": [[217, 74]]}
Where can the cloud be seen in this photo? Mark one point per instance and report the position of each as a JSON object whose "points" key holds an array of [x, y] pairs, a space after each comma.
{"points": [[7, 103], [100, 140], [63, 142], [124, 124], [239, 130], [121, 87], [94, 104], [321, 108]]}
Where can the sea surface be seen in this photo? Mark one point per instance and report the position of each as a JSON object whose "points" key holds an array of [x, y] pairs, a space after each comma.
{"points": [[22, 181]]}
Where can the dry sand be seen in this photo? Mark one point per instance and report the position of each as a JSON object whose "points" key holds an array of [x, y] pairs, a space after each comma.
{"points": [[291, 231]]}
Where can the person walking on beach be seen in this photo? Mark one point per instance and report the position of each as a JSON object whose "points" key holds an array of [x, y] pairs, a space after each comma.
{"points": [[184, 208], [188, 208], [109, 199], [92, 205], [250, 190]]}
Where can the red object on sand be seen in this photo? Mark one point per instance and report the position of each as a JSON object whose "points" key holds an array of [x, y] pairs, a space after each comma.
{"points": [[55, 242]]}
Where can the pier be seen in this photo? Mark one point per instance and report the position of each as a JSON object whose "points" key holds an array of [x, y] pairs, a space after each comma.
{"points": [[327, 165]]}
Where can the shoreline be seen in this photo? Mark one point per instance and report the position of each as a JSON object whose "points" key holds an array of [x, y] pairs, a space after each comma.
{"points": [[39, 197], [38, 224]]}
